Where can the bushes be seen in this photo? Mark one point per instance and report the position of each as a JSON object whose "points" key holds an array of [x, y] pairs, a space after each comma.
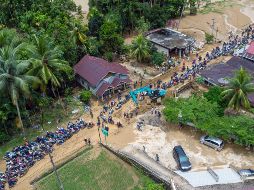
{"points": [[158, 58], [209, 38], [85, 96], [154, 186], [109, 56], [206, 117], [4, 137], [214, 95]]}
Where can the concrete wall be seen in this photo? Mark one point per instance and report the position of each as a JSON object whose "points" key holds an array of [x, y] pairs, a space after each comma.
{"points": [[161, 49], [82, 82], [85, 84], [139, 165]]}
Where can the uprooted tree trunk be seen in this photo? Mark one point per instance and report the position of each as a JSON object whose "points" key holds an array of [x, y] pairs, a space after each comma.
{"points": [[231, 112]]}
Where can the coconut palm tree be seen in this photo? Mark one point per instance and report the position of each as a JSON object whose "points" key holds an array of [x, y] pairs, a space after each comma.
{"points": [[237, 91], [77, 35], [140, 48], [46, 62], [13, 80], [7, 36]]}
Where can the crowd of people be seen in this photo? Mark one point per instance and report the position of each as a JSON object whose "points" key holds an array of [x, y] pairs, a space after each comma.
{"points": [[106, 115], [235, 42], [21, 158]]}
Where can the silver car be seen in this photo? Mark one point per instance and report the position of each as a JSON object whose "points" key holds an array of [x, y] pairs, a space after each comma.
{"points": [[213, 142]]}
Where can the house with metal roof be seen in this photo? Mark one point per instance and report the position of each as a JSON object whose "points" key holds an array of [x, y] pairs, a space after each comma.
{"points": [[170, 42], [219, 74], [101, 77]]}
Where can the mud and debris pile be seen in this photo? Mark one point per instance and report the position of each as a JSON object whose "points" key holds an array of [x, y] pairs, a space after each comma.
{"points": [[152, 119]]}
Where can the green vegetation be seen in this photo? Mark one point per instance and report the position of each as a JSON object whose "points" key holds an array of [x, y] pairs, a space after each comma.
{"points": [[206, 116], [46, 63], [103, 172], [52, 18], [142, 25], [193, 8], [24, 67], [207, 112], [237, 91], [129, 13], [216, 7], [85, 96], [214, 96], [209, 38], [140, 49], [35, 57], [52, 116], [158, 58], [50, 37]]}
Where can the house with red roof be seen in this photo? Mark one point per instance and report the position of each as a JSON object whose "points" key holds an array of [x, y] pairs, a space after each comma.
{"points": [[101, 77], [249, 53]]}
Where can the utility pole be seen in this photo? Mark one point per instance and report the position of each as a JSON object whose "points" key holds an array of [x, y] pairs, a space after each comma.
{"points": [[212, 26], [217, 30], [181, 16], [55, 170]]}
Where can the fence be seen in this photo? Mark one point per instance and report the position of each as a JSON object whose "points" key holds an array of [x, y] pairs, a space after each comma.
{"points": [[243, 178], [213, 174], [148, 170]]}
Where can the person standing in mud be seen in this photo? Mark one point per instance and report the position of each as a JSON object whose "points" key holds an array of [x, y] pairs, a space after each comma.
{"points": [[91, 113], [98, 122], [157, 158], [159, 114]]}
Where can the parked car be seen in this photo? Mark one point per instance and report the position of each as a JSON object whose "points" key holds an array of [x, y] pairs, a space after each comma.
{"points": [[246, 172], [181, 158], [213, 142]]}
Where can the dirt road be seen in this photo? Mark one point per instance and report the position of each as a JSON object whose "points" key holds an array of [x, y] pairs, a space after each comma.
{"points": [[156, 139]]}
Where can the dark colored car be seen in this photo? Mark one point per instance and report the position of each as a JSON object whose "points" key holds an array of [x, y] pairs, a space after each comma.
{"points": [[246, 172], [181, 158]]}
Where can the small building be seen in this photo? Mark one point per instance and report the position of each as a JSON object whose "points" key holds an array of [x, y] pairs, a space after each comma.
{"points": [[170, 42], [101, 77], [218, 74]]}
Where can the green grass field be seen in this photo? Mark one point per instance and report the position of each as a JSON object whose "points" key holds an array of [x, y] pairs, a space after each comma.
{"points": [[105, 172]]}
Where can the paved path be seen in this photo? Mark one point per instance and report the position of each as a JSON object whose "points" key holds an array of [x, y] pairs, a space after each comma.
{"points": [[203, 178], [156, 168], [193, 180]]}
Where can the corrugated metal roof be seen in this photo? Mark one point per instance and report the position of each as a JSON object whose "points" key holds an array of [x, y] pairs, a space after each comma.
{"points": [[117, 81], [94, 69], [226, 70], [114, 84], [102, 89], [250, 49]]}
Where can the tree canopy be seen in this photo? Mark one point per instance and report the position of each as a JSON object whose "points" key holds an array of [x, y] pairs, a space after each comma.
{"points": [[52, 18], [156, 13], [238, 89], [205, 115]]}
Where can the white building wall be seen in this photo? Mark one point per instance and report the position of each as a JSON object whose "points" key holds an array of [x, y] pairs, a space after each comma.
{"points": [[85, 84], [161, 49]]}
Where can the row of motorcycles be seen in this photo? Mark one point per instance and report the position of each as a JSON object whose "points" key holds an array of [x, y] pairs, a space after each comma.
{"points": [[21, 158], [226, 49]]}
